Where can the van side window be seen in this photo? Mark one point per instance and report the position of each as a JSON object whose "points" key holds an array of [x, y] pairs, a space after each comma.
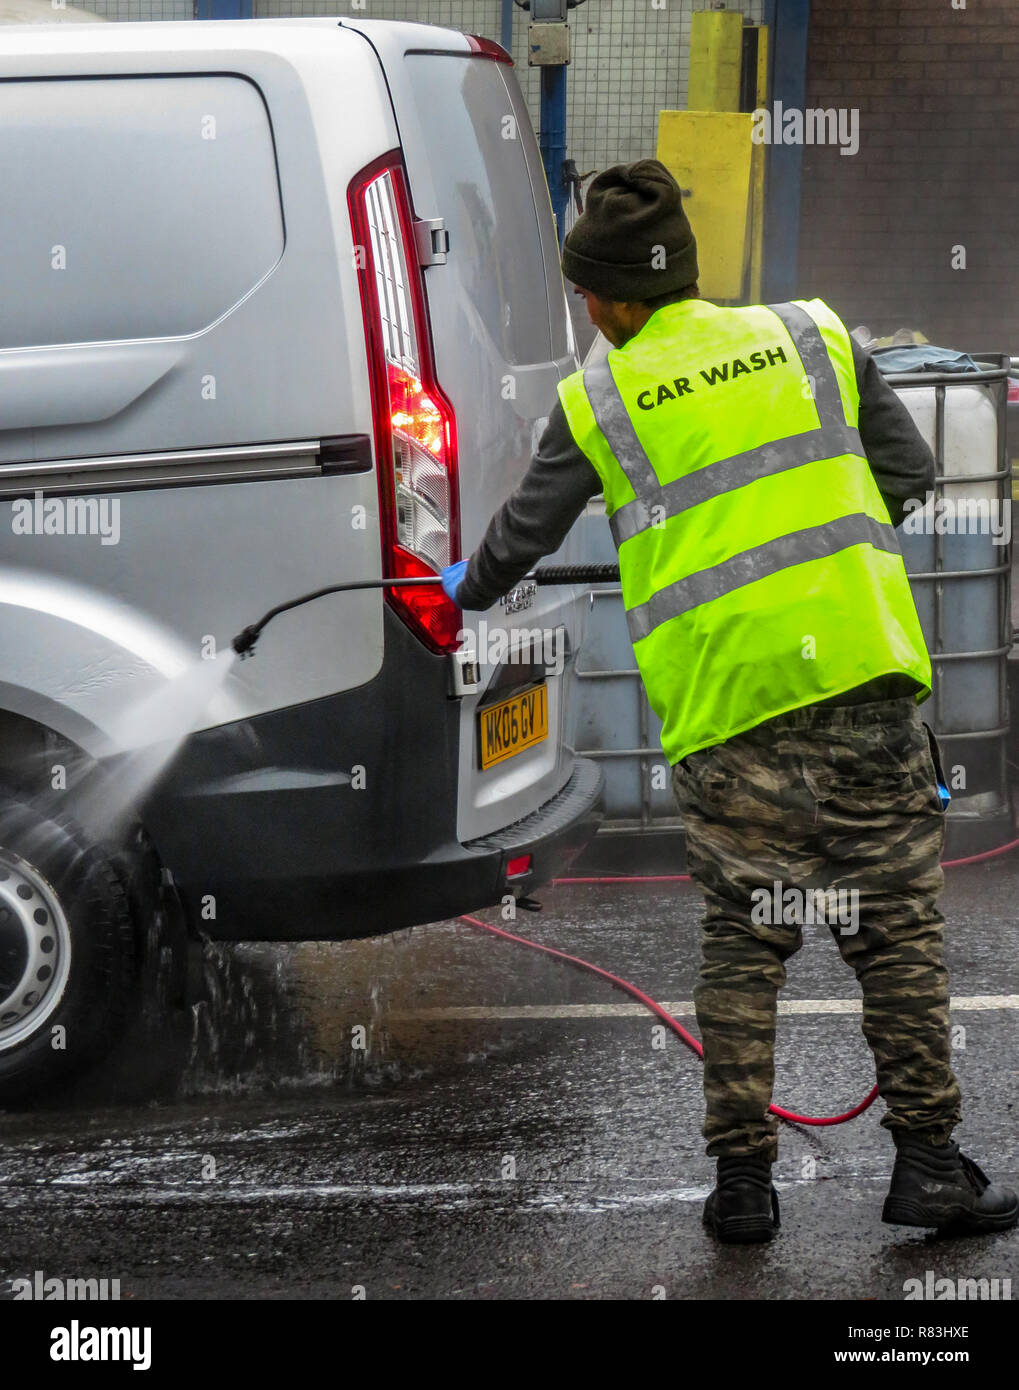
{"points": [[133, 207]]}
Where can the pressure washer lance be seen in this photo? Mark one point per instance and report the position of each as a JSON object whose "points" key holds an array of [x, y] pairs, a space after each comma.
{"points": [[244, 643]]}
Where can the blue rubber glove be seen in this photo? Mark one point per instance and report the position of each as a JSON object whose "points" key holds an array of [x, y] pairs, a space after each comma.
{"points": [[944, 796], [452, 577]]}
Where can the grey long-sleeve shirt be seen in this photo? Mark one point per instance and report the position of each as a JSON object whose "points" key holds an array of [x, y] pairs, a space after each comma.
{"points": [[561, 480]]}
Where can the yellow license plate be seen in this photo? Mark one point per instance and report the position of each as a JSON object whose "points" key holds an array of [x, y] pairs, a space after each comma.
{"points": [[512, 725]]}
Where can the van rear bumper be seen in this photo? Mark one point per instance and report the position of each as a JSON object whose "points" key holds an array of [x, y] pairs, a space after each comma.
{"points": [[268, 839], [554, 834], [368, 902]]}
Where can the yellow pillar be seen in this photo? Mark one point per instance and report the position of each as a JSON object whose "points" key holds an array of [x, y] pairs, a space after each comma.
{"points": [[709, 150], [709, 154], [716, 57], [757, 174]]}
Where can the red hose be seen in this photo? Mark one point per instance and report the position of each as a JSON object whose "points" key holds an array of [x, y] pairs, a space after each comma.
{"points": [[628, 878], [666, 1017], [976, 858], [685, 878]]}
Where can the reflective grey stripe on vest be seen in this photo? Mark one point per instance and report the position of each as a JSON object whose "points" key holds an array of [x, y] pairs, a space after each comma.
{"points": [[614, 421], [809, 343], [811, 543], [728, 474], [834, 437]]}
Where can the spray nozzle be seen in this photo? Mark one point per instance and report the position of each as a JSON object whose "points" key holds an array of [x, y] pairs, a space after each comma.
{"points": [[244, 643]]}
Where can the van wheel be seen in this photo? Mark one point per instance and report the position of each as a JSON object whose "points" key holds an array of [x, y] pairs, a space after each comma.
{"points": [[67, 952]]}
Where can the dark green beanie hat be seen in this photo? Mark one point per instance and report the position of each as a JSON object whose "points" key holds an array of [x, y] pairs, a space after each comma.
{"points": [[633, 240]]}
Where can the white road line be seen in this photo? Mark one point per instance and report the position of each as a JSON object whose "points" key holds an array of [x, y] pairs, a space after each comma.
{"points": [[494, 1194], [966, 1003]]}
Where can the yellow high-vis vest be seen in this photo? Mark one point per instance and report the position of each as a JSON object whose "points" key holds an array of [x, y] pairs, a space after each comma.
{"points": [[759, 566]]}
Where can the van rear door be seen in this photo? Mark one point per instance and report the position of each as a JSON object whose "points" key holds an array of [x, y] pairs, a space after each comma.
{"points": [[501, 344]]}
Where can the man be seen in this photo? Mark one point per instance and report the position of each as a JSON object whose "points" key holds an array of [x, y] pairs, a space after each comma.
{"points": [[754, 464]]}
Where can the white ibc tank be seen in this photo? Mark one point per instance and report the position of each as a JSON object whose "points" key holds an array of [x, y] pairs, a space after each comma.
{"points": [[971, 434], [962, 535], [957, 550]]}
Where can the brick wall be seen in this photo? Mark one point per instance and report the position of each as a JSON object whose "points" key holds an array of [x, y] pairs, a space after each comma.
{"points": [[938, 94]]}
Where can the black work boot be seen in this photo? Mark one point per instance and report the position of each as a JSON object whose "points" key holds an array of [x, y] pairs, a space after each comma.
{"points": [[743, 1208], [941, 1187]]}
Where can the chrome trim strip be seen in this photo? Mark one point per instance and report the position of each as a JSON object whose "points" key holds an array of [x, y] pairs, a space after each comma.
{"points": [[234, 463]]}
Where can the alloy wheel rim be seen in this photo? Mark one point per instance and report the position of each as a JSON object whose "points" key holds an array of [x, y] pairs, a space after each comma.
{"points": [[35, 950]]}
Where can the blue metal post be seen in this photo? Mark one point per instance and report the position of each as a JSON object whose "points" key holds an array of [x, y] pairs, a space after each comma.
{"points": [[788, 21], [506, 25], [223, 9], [553, 139]]}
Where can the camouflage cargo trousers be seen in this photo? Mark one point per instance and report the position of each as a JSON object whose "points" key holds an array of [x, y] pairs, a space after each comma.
{"points": [[828, 815]]}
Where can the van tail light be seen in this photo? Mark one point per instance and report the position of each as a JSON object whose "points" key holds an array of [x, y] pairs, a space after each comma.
{"points": [[415, 428], [488, 48]]}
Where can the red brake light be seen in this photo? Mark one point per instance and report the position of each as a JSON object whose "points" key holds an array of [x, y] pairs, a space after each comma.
{"points": [[488, 48], [413, 411], [434, 617], [518, 866], [415, 428]]}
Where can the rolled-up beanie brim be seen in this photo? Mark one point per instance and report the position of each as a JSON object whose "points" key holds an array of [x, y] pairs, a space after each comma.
{"points": [[633, 241]]}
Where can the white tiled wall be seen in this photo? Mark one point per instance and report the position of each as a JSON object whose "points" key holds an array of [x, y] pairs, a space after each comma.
{"points": [[139, 9], [629, 59]]}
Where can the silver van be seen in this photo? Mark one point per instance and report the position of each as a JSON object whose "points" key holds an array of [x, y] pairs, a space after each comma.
{"points": [[280, 307]]}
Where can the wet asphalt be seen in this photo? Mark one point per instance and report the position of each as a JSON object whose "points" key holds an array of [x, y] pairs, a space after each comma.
{"points": [[440, 1114]]}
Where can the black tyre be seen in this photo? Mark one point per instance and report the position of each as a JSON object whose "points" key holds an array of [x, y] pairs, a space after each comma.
{"points": [[68, 952]]}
